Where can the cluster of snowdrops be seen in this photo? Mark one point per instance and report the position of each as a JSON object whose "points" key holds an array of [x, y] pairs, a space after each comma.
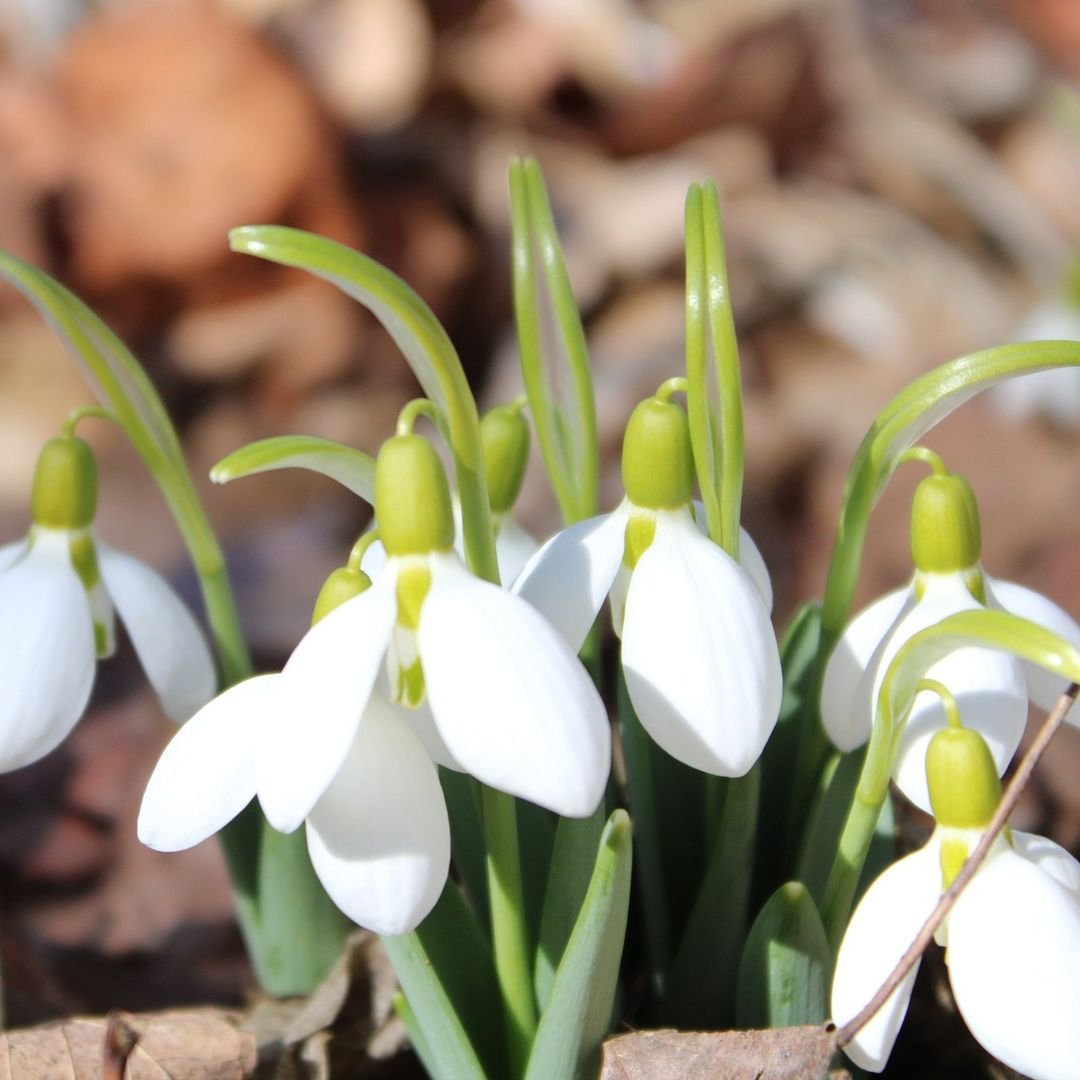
{"points": [[434, 760]]}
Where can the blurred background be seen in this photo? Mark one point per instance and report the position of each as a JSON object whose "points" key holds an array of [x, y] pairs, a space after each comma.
{"points": [[900, 181]]}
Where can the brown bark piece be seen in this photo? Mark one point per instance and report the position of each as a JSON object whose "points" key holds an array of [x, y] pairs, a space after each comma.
{"points": [[798, 1053]]}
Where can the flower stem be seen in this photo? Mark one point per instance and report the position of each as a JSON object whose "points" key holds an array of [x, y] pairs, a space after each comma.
{"points": [[509, 932]]}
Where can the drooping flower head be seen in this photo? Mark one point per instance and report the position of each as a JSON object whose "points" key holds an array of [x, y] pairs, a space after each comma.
{"points": [[60, 590], [378, 835], [1012, 939], [698, 651], [993, 688]]}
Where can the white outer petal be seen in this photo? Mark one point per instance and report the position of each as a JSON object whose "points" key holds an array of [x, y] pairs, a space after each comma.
{"points": [[1051, 858], [884, 924], [164, 634], [512, 702], [47, 646], [844, 715], [750, 558], [514, 548], [988, 686], [206, 775], [568, 578], [10, 554], [325, 687], [1044, 688], [423, 725], [1014, 965], [698, 650], [379, 838]]}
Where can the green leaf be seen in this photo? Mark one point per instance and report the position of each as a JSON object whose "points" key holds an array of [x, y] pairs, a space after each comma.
{"points": [[579, 1011], [446, 972], [701, 990], [714, 379], [462, 796], [786, 966], [780, 818], [906, 418], [352, 468], [551, 341], [423, 341], [576, 842]]}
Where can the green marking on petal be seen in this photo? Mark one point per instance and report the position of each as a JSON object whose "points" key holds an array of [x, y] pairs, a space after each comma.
{"points": [[954, 853], [84, 559], [410, 689], [413, 585], [101, 639], [639, 535]]}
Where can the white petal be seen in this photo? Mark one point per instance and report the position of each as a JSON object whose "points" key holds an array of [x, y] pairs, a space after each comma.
{"points": [[1014, 965], [380, 838], [325, 687], [514, 548], [988, 686], [1044, 688], [512, 702], [423, 725], [844, 715], [10, 553], [164, 634], [206, 775], [568, 578], [47, 645], [885, 923], [700, 657], [1049, 857], [750, 558]]}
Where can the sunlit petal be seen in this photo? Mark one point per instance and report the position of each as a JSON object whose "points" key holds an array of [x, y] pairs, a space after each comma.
{"points": [[568, 578], [1049, 857], [845, 715], [164, 634], [699, 654], [423, 725], [325, 686], [206, 774], [512, 702], [10, 553], [1044, 688], [882, 927], [47, 642], [380, 838], [1014, 966]]}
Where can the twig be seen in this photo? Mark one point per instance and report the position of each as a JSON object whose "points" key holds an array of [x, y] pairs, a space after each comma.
{"points": [[1008, 803]]}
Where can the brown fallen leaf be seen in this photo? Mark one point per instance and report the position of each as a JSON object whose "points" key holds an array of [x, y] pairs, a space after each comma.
{"points": [[189, 1044], [797, 1053]]}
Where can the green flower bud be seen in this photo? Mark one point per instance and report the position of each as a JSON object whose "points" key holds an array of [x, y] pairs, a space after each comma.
{"points": [[412, 499], [65, 485], [945, 533], [657, 462], [505, 435], [960, 772], [343, 584]]}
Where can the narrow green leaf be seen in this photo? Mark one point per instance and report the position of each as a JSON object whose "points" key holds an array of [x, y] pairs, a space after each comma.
{"points": [[780, 818], [446, 972], [551, 341], [352, 468], [423, 341], [462, 794], [579, 1011], [701, 990], [903, 421], [786, 967], [415, 1033], [713, 375], [537, 829], [572, 861]]}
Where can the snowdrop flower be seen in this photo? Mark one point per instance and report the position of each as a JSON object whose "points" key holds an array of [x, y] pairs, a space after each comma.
{"points": [[1012, 939], [698, 650], [60, 589], [378, 834], [993, 688]]}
